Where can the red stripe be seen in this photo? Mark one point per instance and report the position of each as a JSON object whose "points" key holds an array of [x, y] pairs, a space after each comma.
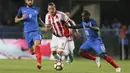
{"points": [[66, 30], [56, 16], [54, 25], [49, 17], [60, 26]]}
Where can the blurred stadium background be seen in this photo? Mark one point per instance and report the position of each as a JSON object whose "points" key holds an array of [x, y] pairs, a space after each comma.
{"points": [[109, 14]]}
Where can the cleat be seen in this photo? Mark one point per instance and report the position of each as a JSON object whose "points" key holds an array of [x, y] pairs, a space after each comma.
{"points": [[70, 58], [68, 62], [98, 62], [39, 66], [118, 69]]}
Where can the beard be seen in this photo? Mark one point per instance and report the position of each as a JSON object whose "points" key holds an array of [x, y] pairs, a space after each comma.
{"points": [[29, 5]]}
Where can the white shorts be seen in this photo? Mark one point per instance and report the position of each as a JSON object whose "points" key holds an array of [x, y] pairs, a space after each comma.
{"points": [[62, 43]]}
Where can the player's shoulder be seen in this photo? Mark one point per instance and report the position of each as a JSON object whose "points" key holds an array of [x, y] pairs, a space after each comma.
{"points": [[22, 7], [35, 7], [60, 12], [83, 22], [92, 20], [47, 14]]}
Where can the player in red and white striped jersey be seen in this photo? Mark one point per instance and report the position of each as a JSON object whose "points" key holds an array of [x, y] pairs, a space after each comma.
{"points": [[62, 37], [67, 58]]}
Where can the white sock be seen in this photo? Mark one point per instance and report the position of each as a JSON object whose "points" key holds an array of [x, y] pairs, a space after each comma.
{"points": [[65, 53]]}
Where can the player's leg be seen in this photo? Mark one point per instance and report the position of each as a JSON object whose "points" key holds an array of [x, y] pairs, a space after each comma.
{"points": [[38, 53], [32, 51], [37, 41], [71, 47], [29, 41], [54, 46], [110, 61], [100, 49], [85, 50], [63, 46]]}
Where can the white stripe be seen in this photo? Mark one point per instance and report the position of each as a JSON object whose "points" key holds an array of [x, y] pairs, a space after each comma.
{"points": [[62, 27], [58, 29], [52, 24]]}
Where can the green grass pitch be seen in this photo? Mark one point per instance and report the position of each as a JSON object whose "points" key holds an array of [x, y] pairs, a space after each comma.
{"points": [[78, 66]]}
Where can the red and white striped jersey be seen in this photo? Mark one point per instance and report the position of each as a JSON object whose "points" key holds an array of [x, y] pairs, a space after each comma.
{"points": [[58, 23]]}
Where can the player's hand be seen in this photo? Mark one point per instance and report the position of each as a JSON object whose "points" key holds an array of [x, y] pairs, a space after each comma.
{"points": [[66, 26], [47, 28], [24, 16], [77, 35]]}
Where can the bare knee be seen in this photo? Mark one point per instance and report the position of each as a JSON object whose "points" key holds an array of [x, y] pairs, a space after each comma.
{"points": [[59, 51], [37, 43]]}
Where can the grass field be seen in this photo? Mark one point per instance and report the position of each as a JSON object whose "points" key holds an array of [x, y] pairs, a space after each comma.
{"points": [[79, 66]]}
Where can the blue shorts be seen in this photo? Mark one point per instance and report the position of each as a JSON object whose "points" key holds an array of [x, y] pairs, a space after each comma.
{"points": [[96, 45], [31, 37]]}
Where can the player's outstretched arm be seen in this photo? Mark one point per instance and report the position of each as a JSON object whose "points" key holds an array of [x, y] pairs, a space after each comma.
{"points": [[18, 19], [74, 27], [93, 27], [41, 21], [48, 28]]}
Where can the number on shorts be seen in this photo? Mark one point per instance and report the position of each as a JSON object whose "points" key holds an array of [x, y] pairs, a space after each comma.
{"points": [[103, 48], [87, 33]]}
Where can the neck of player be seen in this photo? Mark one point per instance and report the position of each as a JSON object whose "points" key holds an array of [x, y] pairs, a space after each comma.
{"points": [[29, 6]]}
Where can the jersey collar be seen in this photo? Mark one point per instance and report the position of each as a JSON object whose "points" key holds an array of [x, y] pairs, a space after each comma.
{"points": [[30, 7], [87, 20]]}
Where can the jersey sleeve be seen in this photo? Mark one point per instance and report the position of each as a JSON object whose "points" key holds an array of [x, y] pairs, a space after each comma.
{"points": [[65, 17], [81, 24], [94, 23], [47, 20], [39, 12], [19, 14], [73, 23]]}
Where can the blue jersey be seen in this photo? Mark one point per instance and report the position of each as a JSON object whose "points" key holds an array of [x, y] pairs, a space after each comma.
{"points": [[90, 33], [93, 40], [30, 23]]}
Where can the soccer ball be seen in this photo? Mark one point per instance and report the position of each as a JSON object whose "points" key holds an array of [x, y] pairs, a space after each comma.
{"points": [[58, 66]]}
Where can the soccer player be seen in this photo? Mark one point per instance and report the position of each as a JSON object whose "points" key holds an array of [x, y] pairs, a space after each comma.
{"points": [[93, 41], [61, 38], [29, 15], [71, 49]]}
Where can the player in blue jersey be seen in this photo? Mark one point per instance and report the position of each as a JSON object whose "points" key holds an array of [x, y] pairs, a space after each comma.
{"points": [[29, 15], [93, 41]]}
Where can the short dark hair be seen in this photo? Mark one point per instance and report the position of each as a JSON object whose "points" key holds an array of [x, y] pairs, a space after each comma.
{"points": [[51, 4], [86, 12]]}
